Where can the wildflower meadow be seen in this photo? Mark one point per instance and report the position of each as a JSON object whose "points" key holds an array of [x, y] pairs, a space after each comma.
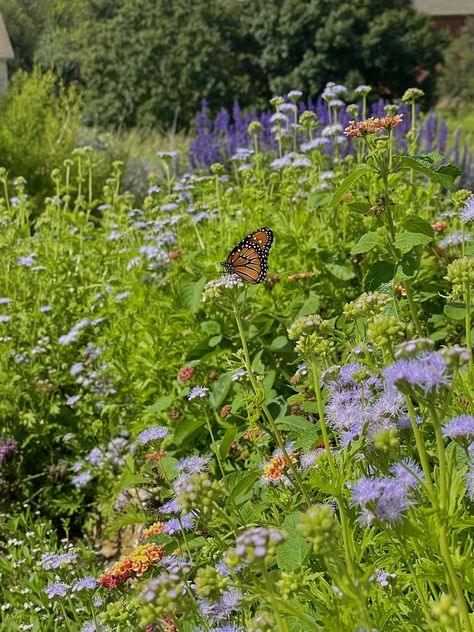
{"points": [[281, 443]]}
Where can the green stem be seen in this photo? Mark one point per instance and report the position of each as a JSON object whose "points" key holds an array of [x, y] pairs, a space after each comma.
{"points": [[422, 453], [347, 540], [414, 315], [443, 507], [267, 413], [467, 300], [281, 623]]}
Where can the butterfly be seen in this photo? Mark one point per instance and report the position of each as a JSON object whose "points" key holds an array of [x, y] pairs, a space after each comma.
{"points": [[249, 259]]}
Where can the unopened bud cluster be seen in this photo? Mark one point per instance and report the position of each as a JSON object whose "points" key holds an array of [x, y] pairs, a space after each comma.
{"points": [[256, 544], [210, 584], [460, 274], [319, 525], [385, 330], [199, 493], [368, 305]]}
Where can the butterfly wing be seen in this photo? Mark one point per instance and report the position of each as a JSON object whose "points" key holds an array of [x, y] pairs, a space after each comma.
{"points": [[262, 237], [249, 259]]}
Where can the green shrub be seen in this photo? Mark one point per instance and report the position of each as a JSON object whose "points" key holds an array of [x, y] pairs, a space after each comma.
{"points": [[456, 85], [39, 121]]}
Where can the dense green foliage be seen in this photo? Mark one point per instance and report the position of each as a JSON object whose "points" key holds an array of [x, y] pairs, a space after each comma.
{"points": [[39, 122], [303, 411], [145, 62], [456, 85]]}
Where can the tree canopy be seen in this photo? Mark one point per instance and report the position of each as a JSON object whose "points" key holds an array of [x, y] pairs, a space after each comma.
{"points": [[152, 61]]}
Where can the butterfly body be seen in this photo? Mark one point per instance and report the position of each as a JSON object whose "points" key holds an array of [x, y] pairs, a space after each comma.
{"points": [[249, 259]]}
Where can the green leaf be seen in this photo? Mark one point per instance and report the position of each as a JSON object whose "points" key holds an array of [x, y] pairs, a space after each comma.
{"points": [[214, 340], [318, 198], [359, 207], [365, 243], [292, 553], [310, 306], [161, 404], [445, 175], [342, 272], [430, 158], [219, 390], [295, 422], [190, 292], [380, 272], [348, 181], [455, 311], [186, 428], [279, 343], [226, 442], [407, 241], [415, 224], [238, 483]]}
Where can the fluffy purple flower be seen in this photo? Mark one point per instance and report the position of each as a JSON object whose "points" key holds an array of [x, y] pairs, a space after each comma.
{"points": [[76, 368], [383, 578], [4, 300], [85, 583], [122, 295], [407, 473], [382, 499], [173, 525], [4, 318], [59, 589], [467, 212], [45, 308], [27, 261], [172, 506], [96, 457], [51, 561], [455, 239], [428, 373], [315, 143], [193, 464], [221, 610], [197, 392], [82, 479], [462, 426], [73, 399], [152, 434]]}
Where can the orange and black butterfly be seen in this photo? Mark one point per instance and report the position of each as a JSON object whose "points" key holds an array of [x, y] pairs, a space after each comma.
{"points": [[249, 259]]}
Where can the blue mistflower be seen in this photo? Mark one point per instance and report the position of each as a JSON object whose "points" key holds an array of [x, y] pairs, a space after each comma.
{"points": [[51, 561], [85, 583], [59, 589], [428, 373], [152, 434], [197, 392], [193, 464], [467, 213], [384, 499], [462, 426], [455, 239], [315, 143], [82, 479], [407, 472], [221, 610]]}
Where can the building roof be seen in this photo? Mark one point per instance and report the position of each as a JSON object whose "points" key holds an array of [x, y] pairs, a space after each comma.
{"points": [[6, 50], [445, 7]]}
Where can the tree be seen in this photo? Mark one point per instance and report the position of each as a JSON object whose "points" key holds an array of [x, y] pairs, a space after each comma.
{"points": [[306, 44], [149, 62], [456, 84]]}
